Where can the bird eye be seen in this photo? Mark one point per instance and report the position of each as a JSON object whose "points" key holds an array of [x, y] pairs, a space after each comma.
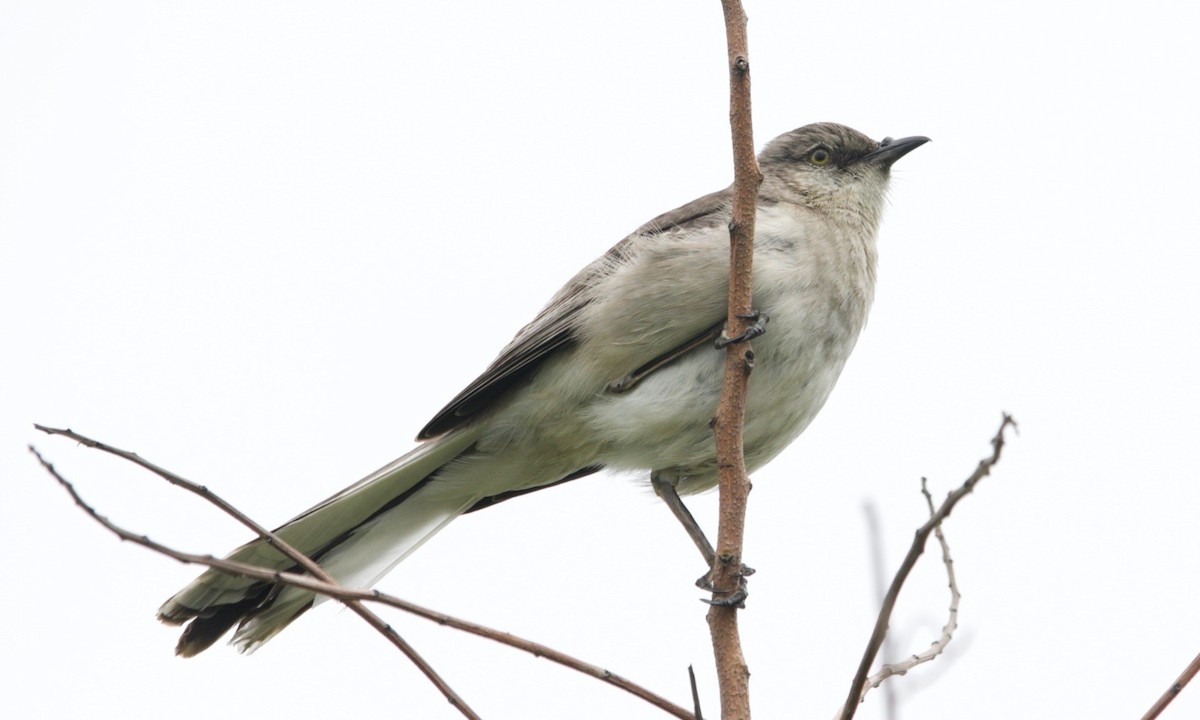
{"points": [[820, 156]]}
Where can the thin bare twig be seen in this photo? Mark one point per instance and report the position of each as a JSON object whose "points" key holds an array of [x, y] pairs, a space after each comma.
{"points": [[910, 560], [879, 575], [332, 589], [937, 647], [1177, 687], [180, 482], [236, 568], [733, 675]]}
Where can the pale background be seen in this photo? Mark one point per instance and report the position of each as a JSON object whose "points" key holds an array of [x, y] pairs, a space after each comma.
{"points": [[262, 243]]}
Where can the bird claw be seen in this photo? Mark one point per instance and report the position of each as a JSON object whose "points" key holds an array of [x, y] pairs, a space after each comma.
{"points": [[737, 598], [757, 327]]}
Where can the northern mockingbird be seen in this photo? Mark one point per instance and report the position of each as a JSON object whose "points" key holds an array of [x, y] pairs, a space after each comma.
{"points": [[619, 371]]}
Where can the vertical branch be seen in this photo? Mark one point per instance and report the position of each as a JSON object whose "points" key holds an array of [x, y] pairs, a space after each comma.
{"points": [[733, 675]]}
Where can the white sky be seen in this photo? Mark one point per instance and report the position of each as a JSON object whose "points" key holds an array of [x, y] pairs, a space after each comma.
{"points": [[262, 243]]}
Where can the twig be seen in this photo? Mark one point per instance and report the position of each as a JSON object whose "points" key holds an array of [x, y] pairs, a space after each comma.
{"points": [[180, 482], [275, 541], [1177, 687], [334, 590], [331, 586], [878, 574], [733, 675], [937, 647], [914, 552]]}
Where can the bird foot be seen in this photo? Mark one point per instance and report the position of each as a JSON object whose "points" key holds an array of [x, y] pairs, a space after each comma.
{"points": [[737, 598], [758, 326]]}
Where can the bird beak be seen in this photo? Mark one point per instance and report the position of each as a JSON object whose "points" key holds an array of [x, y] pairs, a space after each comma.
{"points": [[889, 150]]}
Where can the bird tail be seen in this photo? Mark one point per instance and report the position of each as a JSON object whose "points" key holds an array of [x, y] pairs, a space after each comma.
{"points": [[357, 535]]}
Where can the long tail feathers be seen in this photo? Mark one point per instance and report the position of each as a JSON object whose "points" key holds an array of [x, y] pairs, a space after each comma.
{"points": [[357, 536]]}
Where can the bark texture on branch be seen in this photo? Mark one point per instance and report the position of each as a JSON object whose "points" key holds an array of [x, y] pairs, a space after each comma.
{"points": [[733, 674]]}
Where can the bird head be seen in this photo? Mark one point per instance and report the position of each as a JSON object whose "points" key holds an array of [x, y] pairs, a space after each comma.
{"points": [[830, 167]]}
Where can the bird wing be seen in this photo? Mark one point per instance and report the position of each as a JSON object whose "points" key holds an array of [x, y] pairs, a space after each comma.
{"points": [[556, 327]]}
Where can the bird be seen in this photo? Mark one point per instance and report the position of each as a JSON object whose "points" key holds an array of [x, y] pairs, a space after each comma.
{"points": [[619, 371]]}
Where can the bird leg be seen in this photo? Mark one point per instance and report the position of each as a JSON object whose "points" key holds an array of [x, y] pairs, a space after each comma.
{"points": [[664, 482]]}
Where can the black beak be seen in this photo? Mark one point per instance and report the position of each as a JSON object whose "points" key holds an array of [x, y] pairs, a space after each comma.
{"points": [[889, 150]]}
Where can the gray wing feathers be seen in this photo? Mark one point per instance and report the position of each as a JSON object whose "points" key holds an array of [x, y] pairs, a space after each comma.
{"points": [[551, 330], [557, 326]]}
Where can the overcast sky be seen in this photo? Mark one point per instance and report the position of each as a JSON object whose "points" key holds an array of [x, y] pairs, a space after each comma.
{"points": [[261, 243]]}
